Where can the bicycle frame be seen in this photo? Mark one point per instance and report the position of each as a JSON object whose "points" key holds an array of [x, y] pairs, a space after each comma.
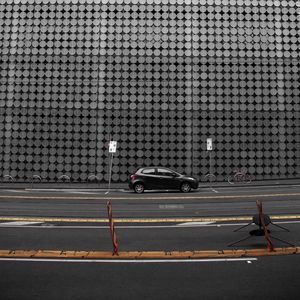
{"points": [[239, 177]]}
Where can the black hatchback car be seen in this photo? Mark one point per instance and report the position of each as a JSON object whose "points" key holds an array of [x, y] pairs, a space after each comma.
{"points": [[160, 178]]}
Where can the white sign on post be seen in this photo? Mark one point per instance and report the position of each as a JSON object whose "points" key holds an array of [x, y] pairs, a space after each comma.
{"points": [[112, 147], [209, 144]]}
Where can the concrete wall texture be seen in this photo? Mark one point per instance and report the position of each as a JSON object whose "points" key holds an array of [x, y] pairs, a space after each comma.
{"points": [[159, 77]]}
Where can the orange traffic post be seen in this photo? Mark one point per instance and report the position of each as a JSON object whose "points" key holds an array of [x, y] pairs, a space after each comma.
{"points": [[112, 229], [263, 224]]}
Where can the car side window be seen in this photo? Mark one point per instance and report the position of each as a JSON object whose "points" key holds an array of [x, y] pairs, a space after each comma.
{"points": [[149, 171], [165, 172]]}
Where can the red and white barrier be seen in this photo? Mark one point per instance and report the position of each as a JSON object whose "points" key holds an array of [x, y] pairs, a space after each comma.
{"points": [[112, 229]]}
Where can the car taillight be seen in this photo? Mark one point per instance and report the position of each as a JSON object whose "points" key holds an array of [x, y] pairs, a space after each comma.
{"points": [[132, 177]]}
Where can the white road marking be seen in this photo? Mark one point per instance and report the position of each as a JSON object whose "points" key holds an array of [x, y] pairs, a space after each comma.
{"points": [[171, 206], [83, 193], [45, 190], [124, 261], [176, 226], [194, 224], [287, 222], [64, 190], [267, 187], [70, 191], [15, 191], [19, 223]]}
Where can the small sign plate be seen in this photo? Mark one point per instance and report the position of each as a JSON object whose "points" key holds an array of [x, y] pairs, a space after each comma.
{"points": [[209, 144], [112, 147]]}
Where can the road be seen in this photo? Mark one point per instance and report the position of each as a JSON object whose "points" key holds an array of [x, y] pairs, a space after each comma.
{"points": [[205, 202], [204, 220], [265, 278]]}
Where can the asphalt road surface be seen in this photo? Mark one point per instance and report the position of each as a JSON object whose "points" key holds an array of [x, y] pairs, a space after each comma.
{"points": [[203, 220], [264, 278]]}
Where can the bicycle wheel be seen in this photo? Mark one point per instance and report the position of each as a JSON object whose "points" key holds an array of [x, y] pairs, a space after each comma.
{"points": [[230, 179], [248, 178], [210, 177]]}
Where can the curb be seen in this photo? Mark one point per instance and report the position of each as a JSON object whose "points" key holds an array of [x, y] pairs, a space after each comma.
{"points": [[42, 254], [145, 197]]}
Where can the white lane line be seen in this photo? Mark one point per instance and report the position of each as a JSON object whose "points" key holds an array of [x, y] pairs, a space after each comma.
{"points": [[84, 193], [65, 190], [19, 223], [69, 191], [15, 191], [124, 261], [286, 222], [194, 224], [177, 226], [266, 187]]}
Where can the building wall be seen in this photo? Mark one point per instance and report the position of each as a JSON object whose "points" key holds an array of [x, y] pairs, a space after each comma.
{"points": [[159, 77]]}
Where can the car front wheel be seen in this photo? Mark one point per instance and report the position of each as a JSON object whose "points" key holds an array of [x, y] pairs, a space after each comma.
{"points": [[139, 188], [185, 187]]}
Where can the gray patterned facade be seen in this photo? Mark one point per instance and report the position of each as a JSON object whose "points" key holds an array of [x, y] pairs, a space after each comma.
{"points": [[159, 77]]}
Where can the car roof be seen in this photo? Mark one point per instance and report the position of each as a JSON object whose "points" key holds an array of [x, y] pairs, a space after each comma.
{"points": [[156, 167]]}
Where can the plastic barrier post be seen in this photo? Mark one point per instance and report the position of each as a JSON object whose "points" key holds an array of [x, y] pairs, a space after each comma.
{"points": [[262, 222], [112, 229]]}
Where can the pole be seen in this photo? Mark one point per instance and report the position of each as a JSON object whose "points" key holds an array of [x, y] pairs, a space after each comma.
{"points": [[112, 229], [210, 169], [110, 171], [262, 222]]}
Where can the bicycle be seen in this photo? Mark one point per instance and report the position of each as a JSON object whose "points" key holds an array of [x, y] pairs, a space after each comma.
{"points": [[239, 176], [210, 177]]}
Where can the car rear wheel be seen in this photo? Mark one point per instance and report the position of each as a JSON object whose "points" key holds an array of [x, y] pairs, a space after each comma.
{"points": [[139, 188], [185, 187]]}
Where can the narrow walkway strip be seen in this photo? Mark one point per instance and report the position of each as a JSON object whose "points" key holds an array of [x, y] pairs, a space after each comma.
{"points": [[147, 254], [134, 197]]}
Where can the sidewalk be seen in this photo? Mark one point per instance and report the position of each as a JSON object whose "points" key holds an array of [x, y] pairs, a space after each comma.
{"points": [[124, 186], [271, 182]]}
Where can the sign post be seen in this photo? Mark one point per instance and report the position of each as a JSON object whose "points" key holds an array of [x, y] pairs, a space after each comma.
{"points": [[112, 148], [209, 148]]}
